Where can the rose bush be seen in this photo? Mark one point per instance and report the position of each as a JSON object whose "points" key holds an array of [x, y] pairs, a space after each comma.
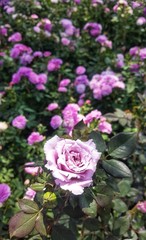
{"points": [[72, 163]]}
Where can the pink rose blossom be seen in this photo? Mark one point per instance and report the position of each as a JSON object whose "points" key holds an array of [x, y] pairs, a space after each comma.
{"points": [[80, 88], [95, 114], [5, 192], [40, 87], [38, 54], [72, 163], [15, 37], [47, 54], [141, 21], [142, 53], [141, 206], [62, 89], [104, 126], [35, 137], [34, 16], [64, 82], [71, 117], [54, 64], [56, 121], [30, 169], [65, 41], [52, 106], [30, 194], [80, 70], [19, 122]]}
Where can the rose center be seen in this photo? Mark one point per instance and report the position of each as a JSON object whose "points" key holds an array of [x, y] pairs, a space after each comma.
{"points": [[73, 160]]}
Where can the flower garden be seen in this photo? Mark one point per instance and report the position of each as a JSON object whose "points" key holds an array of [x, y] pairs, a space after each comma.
{"points": [[73, 119]]}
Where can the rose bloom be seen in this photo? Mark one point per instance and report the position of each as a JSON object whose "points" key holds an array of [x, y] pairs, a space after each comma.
{"points": [[30, 169], [30, 194], [35, 137], [141, 206], [15, 37], [56, 121], [19, 122], [72, 163], [52, 106], [104, 126], [5, 192], [80, 70]]}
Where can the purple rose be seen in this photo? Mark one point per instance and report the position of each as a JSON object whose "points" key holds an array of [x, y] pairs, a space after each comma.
{"points": [[19, 122], [80, 70], [54, 64], [104, 126], [62, 89], [31, 169], [141, 206], [52, 106], [95, 114], [56, 121], [65, 41], [15, 37], [140, 21], [35, 137], [72, 163], [5, 192], [64, 82], [30, 194]]}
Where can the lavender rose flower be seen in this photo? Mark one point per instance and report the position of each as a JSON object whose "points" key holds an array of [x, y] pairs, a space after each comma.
{"points": [[5, 192], [35, 137], [19, 122], [72, 163]]}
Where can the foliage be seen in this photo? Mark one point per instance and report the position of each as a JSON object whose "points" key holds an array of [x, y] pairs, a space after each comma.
{"points": [[101, 47]]}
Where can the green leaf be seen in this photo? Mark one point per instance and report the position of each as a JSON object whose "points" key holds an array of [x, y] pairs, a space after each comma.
{"points": [[119, 206], [104, 195], [39, 225], [122, 145], [116, 168], [80, 131], [121, 225], [142, 234], [98, 140], [124, 187], [61, 232], [28, 206], [88, 204], [21, 224], [92, 224], [91, 210], [130, 86]]}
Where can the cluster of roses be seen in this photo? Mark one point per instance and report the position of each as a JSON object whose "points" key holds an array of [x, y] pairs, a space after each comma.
{"points": [[71, 116], [39, 80], [104, 83]]}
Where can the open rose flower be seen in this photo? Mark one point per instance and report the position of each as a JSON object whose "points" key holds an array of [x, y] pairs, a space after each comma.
{"points": [[72, 163], [5, 192], [141, 206]]}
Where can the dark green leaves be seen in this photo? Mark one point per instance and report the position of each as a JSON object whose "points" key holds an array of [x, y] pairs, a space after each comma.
{"points": [[88, 205], [61, 232], [121, 225], [98, 140], [116, 168], [122, 145]]}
